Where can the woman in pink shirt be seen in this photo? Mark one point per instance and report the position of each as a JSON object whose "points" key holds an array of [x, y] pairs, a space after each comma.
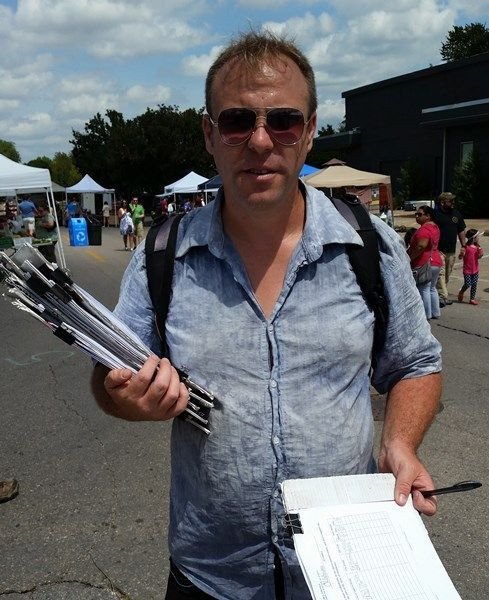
{"points": [[471, 257], [423, 248]]}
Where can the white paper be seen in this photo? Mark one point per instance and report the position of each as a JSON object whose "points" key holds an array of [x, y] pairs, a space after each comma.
{"points": [[331, 491], [373, 550]]}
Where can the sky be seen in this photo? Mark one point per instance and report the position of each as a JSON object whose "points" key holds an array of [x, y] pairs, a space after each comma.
{"points": [[62, 61]]}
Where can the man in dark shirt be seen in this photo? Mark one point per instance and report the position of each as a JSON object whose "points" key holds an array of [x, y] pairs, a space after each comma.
{"points": [[452, 225]]}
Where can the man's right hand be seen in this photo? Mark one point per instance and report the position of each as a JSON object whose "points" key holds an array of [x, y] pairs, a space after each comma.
{"points": [[155, 393]]}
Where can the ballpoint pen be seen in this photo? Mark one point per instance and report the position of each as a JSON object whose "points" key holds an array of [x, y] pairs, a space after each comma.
{"points": [[462, 486]]}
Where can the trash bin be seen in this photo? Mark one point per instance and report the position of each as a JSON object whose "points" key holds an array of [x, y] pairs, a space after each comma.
{"points": [[94, 229], [77, 229]]}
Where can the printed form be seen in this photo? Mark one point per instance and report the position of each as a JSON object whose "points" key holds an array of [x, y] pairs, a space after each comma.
{"points": [[366, 550]]}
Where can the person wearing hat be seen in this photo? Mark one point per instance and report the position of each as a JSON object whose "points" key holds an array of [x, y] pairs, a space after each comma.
{"points": [[451, 225]]}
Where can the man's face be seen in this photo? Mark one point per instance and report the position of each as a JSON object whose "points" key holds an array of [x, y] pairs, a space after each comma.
{"points": [[261, 172], [446, 204]]}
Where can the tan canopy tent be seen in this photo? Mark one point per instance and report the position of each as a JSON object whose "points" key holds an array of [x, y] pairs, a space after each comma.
{"points": [[337, 174]]}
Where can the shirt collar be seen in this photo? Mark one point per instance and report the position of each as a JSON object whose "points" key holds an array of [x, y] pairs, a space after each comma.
{"points": [[324, 225]]}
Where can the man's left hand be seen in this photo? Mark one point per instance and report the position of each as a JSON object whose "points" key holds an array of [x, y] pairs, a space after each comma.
{"points": [[411, 477]]}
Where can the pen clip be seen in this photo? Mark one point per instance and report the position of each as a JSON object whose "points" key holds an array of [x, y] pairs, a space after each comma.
{"points": [[461, 486]]}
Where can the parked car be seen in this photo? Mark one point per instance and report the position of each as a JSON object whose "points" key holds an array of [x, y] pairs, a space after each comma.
{"points": [[415, 204]]}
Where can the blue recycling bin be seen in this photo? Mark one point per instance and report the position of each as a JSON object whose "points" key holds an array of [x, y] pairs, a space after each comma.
{"points": [[77, 229]]}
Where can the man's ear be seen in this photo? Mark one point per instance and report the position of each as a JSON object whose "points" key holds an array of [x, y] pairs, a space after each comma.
{"points": [[207, 129], [311, 130]]}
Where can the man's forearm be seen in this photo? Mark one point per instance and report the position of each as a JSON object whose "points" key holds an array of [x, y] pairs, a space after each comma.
{"points": [[412, 405]]}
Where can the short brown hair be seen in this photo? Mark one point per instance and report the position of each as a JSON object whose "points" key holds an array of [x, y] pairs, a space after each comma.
{"points": [[255, 48], [446, 196]]}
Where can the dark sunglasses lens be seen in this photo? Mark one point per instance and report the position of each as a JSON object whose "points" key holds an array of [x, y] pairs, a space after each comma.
{"points": [[236, 125], [286, 125]]}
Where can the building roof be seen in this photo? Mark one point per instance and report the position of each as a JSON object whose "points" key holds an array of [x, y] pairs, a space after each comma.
{"points": [[430, 71]]}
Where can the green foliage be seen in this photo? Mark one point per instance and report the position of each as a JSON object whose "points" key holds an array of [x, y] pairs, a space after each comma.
{"points": [[411, 183], [143, 154], [469, 185], [342, 126], [63, 170], [9, 150], [328, 130], [317, 157], [462, 42], [41, 162]]}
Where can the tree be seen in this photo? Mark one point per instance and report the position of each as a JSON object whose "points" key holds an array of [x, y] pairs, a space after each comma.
{"points": [[63, 170], [41, 162], [9, 150], [470, 185], [342, 126], [328, 130], [145, 153], [462, 42], [411, 182]]}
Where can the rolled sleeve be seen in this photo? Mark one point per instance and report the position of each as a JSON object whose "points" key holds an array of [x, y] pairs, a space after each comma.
{"points": [[410, 349]]}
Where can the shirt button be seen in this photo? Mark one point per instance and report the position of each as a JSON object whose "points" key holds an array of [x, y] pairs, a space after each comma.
{"points": [[273, 383], [270, 328], [275, 494], [274, 539], [276, 440]]}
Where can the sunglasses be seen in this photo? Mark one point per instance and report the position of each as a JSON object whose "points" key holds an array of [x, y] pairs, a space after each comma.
{"points": [[418, 214], [236, 125]]}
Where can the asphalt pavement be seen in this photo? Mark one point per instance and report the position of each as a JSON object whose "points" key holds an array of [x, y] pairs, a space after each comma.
{"points": [[90, 520]]}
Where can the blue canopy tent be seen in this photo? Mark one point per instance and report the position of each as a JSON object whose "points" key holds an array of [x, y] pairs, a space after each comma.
{"points": [[211, 185], [307, 170]]}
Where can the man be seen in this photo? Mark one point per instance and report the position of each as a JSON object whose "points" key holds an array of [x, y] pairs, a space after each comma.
{"points": [[263, 285], [137, 214], [451, 225], [46, 229], [28, 211], [106, 213], [73, 210]]}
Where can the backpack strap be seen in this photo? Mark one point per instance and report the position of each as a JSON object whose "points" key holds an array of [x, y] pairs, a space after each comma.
{"points": [[365, 261], [160, 246]]}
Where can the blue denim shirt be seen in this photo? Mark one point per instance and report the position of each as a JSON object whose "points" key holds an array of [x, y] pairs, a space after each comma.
{"points": [[294, 390]]}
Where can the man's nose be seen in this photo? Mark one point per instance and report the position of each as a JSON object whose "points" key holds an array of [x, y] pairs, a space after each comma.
{"points": [[260, 139]]}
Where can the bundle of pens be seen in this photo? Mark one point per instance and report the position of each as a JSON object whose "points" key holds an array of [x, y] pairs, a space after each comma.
{"points": [[41, 289]]}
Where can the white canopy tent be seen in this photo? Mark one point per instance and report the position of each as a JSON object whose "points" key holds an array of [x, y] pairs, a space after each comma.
{"points": [[87, 185], [15, 178], [186, 185], [40, 190]]}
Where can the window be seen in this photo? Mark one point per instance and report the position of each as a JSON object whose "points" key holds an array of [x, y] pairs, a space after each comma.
{"points": [[466, 149]]}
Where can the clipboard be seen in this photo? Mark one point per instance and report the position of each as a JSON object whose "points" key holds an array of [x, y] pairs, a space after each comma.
{"points": [[354, 542]]}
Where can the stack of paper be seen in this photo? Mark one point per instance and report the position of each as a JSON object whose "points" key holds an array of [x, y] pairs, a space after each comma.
{"points": [[41, 289], [354, 542]]}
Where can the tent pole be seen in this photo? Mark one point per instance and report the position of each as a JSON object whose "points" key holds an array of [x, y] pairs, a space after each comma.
{"points": [[59, 245]]}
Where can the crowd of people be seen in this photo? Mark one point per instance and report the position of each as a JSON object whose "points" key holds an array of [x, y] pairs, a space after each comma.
{"points": [[131, 223], [35, 220], [131, 217], [432, 251]]}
